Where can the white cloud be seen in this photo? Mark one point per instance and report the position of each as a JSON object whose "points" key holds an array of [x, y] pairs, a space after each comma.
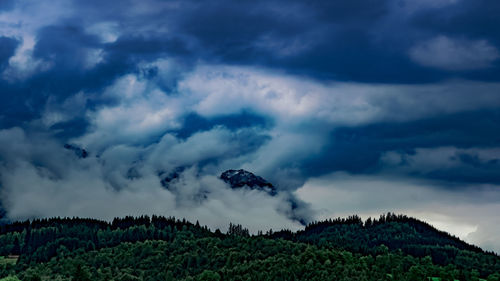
{"points": [[455, 54], [93, 57], [214, 90], [56, 111], [303, 111], [140, 112], [23, 23], [107, 31], [59, 184]]}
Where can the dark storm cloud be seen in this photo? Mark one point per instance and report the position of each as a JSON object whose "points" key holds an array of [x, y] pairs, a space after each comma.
{"points": [[64, 45], [6, 5], [70, 129], [359, 149], [7, 49], [147, 48], [473, 169], [353, 55], [68, 50], [361, 41], [322, 39], [356, 11], [342, 40], [69, 46], [194, 123], [63, 49], [474, 19]]}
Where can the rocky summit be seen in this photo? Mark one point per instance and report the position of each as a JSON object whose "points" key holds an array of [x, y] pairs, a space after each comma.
{"points": [[241, 178], [79, 152]]}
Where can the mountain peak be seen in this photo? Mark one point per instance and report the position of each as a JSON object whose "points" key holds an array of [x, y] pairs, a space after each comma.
{"points": [[241, 178], [79, 152]]}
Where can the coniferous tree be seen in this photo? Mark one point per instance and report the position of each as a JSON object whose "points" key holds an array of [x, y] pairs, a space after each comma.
{"points": [[81, 274]]}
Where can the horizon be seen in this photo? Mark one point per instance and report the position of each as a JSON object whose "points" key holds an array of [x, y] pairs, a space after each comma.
{"points": [[345, 107]]}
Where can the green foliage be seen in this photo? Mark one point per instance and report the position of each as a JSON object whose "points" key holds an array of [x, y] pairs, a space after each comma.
{"points": [[160, 248], [80, 273], [10, 278], [34, 277], [208, 275], [396, 233], [6, 260], [237, 229]]}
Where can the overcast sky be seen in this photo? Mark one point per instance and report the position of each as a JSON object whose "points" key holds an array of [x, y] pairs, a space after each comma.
{"points": [[348, 107]]}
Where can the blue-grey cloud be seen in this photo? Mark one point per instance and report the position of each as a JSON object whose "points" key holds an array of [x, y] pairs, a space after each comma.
{"points": [[360, 149], [476, 19], [65, 46], [7, 48], [347, 40], [195, 123], [454, 166], [6, 5], [450, 54], [344, 40]]}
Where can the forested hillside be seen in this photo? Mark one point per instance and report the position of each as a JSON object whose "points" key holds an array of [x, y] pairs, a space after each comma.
{"points": [[398, 233], [159, 248]]}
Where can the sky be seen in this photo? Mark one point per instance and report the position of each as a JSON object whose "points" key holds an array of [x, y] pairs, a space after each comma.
{"points": [[347, 107]]}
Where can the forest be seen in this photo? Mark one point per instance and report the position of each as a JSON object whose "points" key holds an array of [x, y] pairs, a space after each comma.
{"points": [[392, 247]]}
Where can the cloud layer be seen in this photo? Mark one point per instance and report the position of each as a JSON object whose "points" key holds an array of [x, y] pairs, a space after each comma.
{"points": [[451, 54]]}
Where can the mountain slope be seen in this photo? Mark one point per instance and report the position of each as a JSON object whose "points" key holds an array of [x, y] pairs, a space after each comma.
{"points": [[396, 233], [161, 248]]}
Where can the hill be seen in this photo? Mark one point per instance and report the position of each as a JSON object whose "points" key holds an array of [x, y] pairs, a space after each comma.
{"points": [[160, 248], [398, 233]]}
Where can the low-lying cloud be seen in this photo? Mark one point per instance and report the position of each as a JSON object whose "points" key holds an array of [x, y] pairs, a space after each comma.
{"points": [[42, 179]]}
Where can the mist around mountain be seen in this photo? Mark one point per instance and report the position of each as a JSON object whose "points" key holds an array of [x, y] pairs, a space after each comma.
{"points": [[392, 247]]}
